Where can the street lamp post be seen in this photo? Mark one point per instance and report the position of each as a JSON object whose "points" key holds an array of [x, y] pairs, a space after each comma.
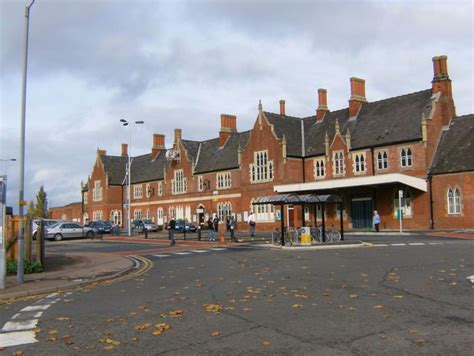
{"points": [[21, 203], [129, 172]]}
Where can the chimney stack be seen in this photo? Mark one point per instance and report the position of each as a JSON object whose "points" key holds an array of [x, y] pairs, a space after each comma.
{"points": [[124, 150], [441, 82], [101, 152], [357, 96], [282, 107], [228, 127], [322, 104], [158, 145], [177, 135]]}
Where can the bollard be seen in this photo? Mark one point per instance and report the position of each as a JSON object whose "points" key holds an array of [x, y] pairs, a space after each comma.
{"points": [[146, 232], [222, 237], [199, 233]]}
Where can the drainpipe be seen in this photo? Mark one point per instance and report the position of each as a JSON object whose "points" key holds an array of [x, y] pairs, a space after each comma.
{"points": [[372, 158], [432, 223]]}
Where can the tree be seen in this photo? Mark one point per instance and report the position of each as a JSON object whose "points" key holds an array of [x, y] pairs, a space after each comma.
{"points": [[41, 207]]}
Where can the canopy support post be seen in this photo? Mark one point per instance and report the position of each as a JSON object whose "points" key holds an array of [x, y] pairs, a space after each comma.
{"points": [[282, 214], [342, 223], [324, 223]]}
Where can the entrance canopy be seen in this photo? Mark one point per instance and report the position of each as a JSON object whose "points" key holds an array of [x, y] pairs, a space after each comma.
{"points": [[329, 184], [297, 199]]}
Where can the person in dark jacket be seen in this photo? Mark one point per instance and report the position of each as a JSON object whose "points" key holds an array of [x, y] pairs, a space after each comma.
{"points": [[210, 231], [232, 228], [215, 222], [171, 227]]}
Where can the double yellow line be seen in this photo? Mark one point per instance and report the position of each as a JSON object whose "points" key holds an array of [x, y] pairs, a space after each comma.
{"points": [[145, 266]]}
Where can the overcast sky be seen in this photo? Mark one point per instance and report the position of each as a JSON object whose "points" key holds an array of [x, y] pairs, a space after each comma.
{"points": [[183, 63]]}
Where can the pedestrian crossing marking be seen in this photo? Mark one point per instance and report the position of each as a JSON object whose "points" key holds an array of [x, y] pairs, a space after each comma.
{"points": [[161, 256], [199, 251], [417, 244], [181, 253], [189, 252], [397, 244]]}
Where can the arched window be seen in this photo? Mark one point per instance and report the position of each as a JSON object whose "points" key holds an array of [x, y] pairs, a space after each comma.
{"points": [[224, 210], [454, 201], [382, 160], [406, 159]]}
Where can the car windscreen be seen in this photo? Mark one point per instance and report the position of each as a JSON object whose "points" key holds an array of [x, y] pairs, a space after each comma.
{"points": [[54, 225]]}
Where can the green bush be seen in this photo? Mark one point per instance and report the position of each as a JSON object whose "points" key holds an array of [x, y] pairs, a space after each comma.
{"points": [[30, 267]]}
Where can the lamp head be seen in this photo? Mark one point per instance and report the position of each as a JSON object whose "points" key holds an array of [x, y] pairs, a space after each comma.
{"points": [[139, 122], [123, 120]]}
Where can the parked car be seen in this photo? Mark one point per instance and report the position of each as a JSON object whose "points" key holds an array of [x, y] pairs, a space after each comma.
{"points": [[141, 225], [182, 224], [35, 225], [101, 226], [65, 229]]}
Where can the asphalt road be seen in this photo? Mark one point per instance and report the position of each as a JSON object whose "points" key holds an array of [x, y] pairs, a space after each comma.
{"points": [[389, 299]]}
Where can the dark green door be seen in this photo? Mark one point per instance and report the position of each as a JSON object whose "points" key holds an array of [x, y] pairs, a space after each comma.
{"points": [[361, 212]]}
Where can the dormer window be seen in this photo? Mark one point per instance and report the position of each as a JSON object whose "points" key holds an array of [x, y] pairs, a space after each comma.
{"points": [[382, 160], [319, 165], [359, 163]]}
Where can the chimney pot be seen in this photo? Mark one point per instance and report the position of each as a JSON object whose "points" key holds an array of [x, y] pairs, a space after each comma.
{"points": [[322, 104], [177, 134], [282, 107], [357, 95], [441, 82], [228, 126]]}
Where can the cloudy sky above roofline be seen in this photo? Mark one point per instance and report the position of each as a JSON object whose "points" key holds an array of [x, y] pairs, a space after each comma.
{"points": [[183, 63]]}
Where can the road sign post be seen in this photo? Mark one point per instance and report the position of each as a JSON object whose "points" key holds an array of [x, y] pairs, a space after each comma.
{"points": [[400, 211]]}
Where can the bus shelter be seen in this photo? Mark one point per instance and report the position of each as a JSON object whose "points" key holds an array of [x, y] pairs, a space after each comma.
{"points": [[313, 200]]}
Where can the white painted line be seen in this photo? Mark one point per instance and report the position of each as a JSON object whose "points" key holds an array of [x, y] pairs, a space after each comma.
{"points": [[52, 295], [377, 245], [35, 315], [20, 325], [17, 338], [471, 278], [436, 243], [35, 307], [181, 253], [200, 251], [218, 249], [161, 256], [397, 244], [417, 244], [55, 300]]}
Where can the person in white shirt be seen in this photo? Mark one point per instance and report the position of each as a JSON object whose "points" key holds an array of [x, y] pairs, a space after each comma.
{"points": [[252, 224]]}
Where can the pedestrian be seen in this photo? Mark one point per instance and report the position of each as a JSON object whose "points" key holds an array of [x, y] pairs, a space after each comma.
{"points": [[171, 227], [252, 224], [232, 228], [215, 222], [376, 220], [227, 223], [210, 231]]}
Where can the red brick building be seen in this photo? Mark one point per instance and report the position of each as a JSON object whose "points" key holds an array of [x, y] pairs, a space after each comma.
{"points": [[366, 154], [69, 212]]}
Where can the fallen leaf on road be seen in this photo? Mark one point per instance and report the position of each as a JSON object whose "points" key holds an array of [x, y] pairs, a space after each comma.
{"points": [[142, 327], [62, 318], [215, 333], [161, 328], [176, 313], [109, 347], [378, 306], [353, 296], [36, 330], [107, 340], [296, 306], [135, 338], [420, 341], [17, 353], [65, 337], [214, 308], [351, 308], [131, 313], [53, 339], [266, 343], [398, 296], [382, 337], [52, 332], [109, 320]]}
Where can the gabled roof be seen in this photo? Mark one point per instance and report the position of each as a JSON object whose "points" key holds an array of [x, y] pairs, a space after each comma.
{"points": [[192, 148], [290, 127], [144, 169], [214, 158], [114, 167], [455, 151]]}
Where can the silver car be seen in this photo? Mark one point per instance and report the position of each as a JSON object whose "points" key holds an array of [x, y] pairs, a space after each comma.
{"points": [[64, 230]]}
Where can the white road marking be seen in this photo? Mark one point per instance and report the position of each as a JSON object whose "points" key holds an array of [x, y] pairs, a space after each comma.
{"points": [[436, 243], [397, 244], [417, 244], [161, 256], [34, 315], [17, 338], [181, 253], [200, 251], [377, 245], [52, 295], [20, 325], [35, 307], [218, 249], [471, 278]]}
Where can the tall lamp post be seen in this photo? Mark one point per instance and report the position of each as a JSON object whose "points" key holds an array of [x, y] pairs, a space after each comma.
{"points": [[129, 172], [21, 202]]}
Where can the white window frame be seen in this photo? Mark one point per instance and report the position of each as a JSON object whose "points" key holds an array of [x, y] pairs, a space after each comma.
{"points": [[200, 186], [406, 157], [262, 169], [224, 209], [97, 191], [179, 183], [137, 214], [138, 191], [359, 163], [382, 160], [319, 168], [453, 197], [97, 215], [263, 212], [224, 180], [147, 190], [160, 189], [339, 165]]}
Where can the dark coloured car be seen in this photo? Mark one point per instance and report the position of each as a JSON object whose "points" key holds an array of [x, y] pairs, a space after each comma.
{"points": [[182, 224], [101, 227]]}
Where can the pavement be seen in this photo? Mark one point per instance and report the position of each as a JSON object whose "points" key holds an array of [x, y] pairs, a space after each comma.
{"points": [[65, 271]]}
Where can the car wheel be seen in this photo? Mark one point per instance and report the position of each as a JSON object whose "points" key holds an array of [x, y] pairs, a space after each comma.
{"points": [[89, 234], [58, 237]]}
